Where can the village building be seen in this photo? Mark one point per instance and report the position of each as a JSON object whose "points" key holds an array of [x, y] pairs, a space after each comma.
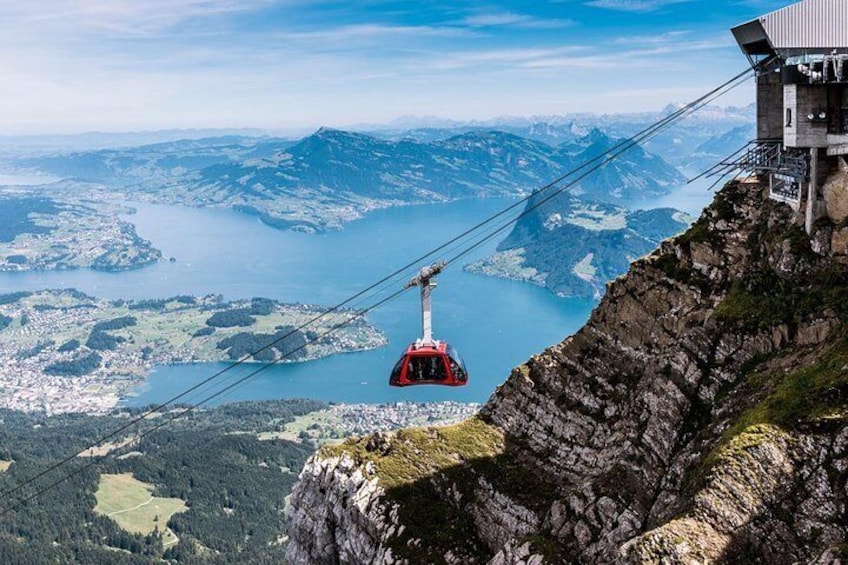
{"points": [[800, 54]]}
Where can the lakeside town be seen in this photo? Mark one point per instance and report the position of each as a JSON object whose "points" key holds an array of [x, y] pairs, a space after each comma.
{"points": [[341, 421], [63, 351]]}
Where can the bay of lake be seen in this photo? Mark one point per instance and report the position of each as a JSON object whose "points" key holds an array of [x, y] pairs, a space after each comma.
{"points": [[495, 324]]}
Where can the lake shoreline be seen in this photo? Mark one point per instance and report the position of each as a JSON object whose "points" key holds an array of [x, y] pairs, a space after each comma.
{"points": [[238, 257]]}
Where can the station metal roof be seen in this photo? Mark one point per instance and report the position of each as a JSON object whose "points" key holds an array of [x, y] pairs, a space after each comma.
{"points": [[810, 26]]}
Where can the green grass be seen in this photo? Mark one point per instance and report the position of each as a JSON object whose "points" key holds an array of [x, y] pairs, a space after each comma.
{"points": [[723, 208], [419, 452], [414, 460], [698, 233], [131, 504], [810, 393], [321, 425], [816, 394], [431, 474], [763, 299]]}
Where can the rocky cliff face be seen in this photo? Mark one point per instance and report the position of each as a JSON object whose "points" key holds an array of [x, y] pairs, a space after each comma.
{"points": [[699, 416]]}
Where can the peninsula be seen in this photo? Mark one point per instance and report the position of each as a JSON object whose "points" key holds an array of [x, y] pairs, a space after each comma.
{"points": [[63, 351], [41, 233]]}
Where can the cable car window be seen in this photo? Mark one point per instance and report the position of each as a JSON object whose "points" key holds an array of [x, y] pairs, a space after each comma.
{"points": [[457, 365], [398, 369], [426, 368], [454, 354]]}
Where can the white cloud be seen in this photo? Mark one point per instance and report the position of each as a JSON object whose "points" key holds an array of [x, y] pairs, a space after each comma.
{"points": [[341, 34], [497, 57], [71, 65], [633, 5], [512, 19], [124, 17]]}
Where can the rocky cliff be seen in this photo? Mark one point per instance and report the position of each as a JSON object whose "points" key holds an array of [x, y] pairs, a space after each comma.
{"points": [[699, 416]]}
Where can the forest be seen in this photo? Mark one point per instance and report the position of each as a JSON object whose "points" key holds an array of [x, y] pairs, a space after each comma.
{"points": [[15, 216], [81, 365], [234, 485], [288, 342]]}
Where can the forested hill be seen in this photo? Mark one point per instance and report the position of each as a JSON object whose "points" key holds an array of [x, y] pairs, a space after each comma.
{"points": [[573, 247], [362, 168], [233, 484]]}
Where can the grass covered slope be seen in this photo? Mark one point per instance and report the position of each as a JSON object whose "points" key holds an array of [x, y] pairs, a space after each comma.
{"points": [[412, 467], [131, 504]]}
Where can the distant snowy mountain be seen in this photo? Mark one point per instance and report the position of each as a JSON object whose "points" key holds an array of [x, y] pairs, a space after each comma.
{"points": [[710, 113], [675, 144]]}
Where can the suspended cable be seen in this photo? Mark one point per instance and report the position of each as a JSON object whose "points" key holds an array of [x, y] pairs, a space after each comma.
{"points": [[598, 162], [721, 165], [571, 183], [96, 460]]}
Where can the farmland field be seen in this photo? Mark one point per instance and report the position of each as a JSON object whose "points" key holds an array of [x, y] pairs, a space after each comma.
{"points": [[131, 504]]}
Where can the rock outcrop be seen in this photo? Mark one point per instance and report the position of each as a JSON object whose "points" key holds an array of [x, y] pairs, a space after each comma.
{"points": [[700, 416], [835, 191]]}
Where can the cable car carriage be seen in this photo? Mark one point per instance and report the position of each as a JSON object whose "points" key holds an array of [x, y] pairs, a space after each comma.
{"points": [[427, 361]]}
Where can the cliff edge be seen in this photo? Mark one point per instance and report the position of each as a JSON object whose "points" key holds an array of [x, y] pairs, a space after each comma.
{"points": [[699, 416]]}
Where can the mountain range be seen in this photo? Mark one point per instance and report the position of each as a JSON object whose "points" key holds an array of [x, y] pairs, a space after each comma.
{"points": [[335, 176]]}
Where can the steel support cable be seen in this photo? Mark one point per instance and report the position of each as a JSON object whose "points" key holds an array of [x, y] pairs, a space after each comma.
{"points": [[486, 237], [571, 183], [722, 165], [624, 144], [605, 157]]}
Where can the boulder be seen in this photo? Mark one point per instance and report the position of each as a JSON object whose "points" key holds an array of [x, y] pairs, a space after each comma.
{"points": [[835, 191]]}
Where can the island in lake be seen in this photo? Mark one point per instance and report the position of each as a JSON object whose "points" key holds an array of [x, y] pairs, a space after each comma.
{"points": [[64, 351], [41, 233]]}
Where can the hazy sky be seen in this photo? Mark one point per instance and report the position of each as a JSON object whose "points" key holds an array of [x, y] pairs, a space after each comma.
{"points": [[118, 65]]}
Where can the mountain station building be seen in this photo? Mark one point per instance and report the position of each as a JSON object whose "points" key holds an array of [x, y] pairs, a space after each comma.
{"points": [[800, 54]]}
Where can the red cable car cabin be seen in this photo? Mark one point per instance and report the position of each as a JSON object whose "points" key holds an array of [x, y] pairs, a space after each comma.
{"points": [[427, 361], [436, 364]]}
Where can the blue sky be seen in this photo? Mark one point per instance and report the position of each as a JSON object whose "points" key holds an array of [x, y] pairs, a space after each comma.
{"points": [[120, 65]]}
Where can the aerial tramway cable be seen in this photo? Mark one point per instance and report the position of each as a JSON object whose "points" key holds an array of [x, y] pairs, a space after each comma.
{"points": [[589, 166]]}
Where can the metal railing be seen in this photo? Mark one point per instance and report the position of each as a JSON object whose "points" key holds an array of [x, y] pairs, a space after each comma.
{"points": [[770, 156]]}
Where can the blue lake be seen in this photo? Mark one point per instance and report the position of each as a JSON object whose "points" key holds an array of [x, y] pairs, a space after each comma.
{"points": [[496, 324]]}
